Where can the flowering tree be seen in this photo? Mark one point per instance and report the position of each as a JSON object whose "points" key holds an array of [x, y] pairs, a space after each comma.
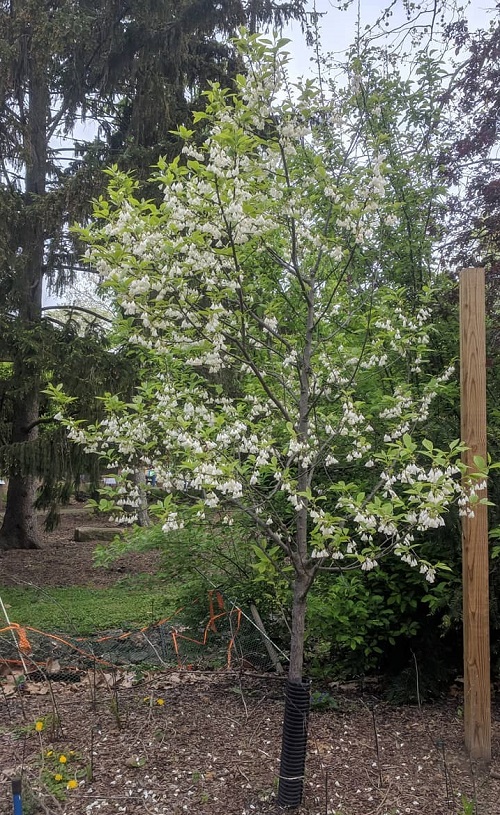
{"points": [[283, 368]]}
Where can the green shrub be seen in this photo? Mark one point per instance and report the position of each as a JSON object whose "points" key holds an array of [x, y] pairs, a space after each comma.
{"points": [[211, 556], [364, 623]]}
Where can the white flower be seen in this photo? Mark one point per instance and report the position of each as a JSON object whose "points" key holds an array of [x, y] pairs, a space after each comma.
{"points": [[369, 564], [319, 553]]}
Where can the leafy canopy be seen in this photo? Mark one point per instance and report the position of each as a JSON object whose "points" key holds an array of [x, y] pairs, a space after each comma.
{"points": [[283, 367]]}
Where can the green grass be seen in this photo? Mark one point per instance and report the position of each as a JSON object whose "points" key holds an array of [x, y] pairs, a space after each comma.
{"points": [[81, 611]]}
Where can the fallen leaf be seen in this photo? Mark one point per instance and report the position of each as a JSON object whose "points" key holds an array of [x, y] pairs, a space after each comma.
{"points": [[36, 688], [53, 666]]}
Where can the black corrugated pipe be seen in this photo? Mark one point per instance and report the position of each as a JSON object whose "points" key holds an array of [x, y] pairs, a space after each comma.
{"points": [[293, 746]]}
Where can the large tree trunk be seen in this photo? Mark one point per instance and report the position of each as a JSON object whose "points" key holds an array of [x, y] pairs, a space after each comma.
{"points": [[19, 529], [20, 524]]}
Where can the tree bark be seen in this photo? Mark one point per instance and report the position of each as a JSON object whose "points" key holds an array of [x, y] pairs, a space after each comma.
{"points": [[20, 524], [304, 573], [20, 528], [299, 608], [139, 480], [294, 742]]}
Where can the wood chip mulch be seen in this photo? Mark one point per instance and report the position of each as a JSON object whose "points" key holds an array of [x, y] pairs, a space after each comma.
{"points": [[207, 743], [169, 743]]}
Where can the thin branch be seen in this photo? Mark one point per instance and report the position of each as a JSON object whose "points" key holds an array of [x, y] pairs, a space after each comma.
{"points": [[56, 321], [37, 422], [79, 308], [272, 396]]}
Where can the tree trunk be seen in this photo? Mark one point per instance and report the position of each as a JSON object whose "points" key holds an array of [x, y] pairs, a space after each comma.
{"points": [[299, 607], [19, 529], [20, 525], [139, 480], [297, 701], [294, 741]]}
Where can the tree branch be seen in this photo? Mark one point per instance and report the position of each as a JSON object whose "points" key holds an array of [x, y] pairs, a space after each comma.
{"points": [[79, 308]]}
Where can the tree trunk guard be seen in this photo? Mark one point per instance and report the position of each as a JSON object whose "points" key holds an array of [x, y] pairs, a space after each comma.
{"points": [[293, 749]]}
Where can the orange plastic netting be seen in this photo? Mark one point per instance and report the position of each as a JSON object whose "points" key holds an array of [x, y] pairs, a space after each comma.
{"points": [[224, 637]]}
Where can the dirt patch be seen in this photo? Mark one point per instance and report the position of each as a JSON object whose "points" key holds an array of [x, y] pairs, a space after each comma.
{"points": [[64, 562]]}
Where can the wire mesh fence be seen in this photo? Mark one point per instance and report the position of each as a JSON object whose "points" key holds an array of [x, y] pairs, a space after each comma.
{"points": [[223, 636]]}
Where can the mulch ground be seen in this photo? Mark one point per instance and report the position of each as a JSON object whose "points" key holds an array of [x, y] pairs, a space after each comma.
{"points": [[64, 562], [207, 743]]}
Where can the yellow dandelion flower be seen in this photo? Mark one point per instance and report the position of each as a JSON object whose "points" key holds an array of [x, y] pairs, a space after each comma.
{"points": [[49, 753], [39, 726], [160, 701], [72, 784], [58, 777], [62, 759]]}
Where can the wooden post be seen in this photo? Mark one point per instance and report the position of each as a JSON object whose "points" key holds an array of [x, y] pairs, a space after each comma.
{"points": [[273, 656], [477, 691]]}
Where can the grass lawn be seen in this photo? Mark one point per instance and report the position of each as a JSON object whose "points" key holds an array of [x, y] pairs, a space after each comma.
{"points": [[78, 610]]}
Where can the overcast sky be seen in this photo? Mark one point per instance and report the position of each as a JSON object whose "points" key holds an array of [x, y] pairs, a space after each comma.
{"points": [[338, 27]]}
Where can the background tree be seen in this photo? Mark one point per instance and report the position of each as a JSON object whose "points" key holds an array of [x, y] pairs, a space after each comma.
{"points": [[134, 69]]}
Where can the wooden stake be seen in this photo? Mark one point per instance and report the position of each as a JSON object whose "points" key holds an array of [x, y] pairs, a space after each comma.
{"points": [[278, 667], [477, 691]]}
